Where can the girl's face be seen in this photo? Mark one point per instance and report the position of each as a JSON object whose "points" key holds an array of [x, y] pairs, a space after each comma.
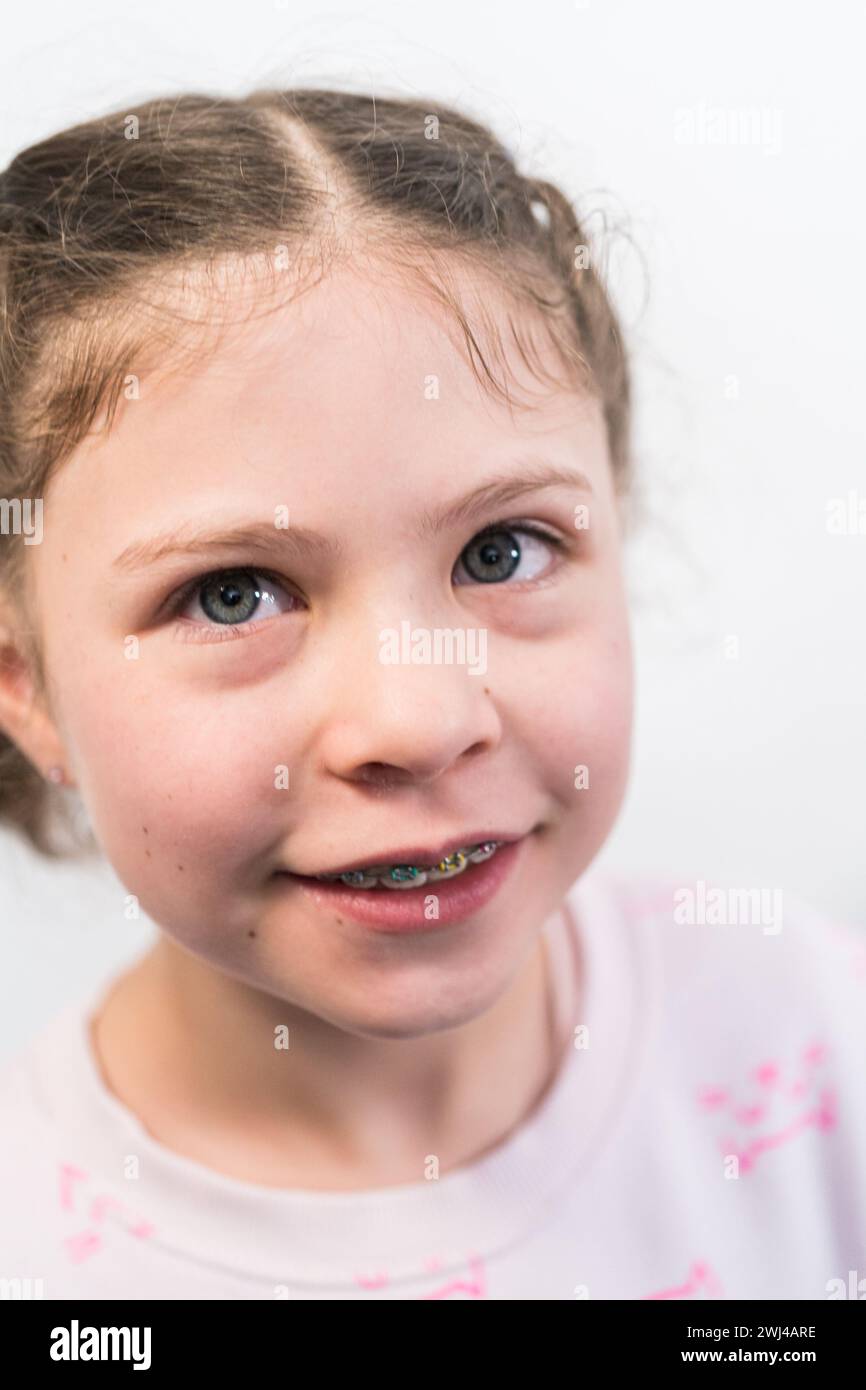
{"points": [[216, 741]]}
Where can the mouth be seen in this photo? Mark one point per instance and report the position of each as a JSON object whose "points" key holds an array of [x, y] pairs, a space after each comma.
{"points": [[414, 866], [471, 888]]}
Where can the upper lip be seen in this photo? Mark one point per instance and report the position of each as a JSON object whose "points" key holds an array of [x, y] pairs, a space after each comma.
{"points": [[420, 854]]}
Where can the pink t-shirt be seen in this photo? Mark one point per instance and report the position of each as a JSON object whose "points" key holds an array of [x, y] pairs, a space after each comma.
{"points": [[704, 1137]]}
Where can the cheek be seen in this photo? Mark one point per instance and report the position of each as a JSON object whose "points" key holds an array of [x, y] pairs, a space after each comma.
{"points": [[178, 787], [576, 713]]}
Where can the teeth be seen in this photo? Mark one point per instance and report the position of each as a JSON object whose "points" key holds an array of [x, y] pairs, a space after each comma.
{"points": [[400, 876]]}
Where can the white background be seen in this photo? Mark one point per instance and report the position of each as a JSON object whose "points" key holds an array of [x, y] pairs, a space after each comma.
{"points": [[749, 360]]}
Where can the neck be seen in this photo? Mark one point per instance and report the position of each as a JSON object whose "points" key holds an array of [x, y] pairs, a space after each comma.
{"points": [[333, 1109]]}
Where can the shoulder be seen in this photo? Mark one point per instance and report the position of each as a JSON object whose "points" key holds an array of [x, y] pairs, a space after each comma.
{"points": [[762, 944], [760, 998], [746, 1123], [21, 1107], [29, 1154]]}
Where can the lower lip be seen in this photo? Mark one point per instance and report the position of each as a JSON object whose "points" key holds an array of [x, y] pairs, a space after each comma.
{"points": [[404, 909]]}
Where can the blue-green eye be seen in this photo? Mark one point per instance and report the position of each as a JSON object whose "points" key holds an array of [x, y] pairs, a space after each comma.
{"points": [[496, 554], [230, 598]]}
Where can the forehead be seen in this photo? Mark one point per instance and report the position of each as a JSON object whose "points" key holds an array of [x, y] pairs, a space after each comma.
{"points": [[355, 376], [437, 319]]}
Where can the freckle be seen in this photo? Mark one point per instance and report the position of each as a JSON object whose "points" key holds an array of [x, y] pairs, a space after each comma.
{"points": [[144, 828], [250, 933], [180, 866], [147, 854]]}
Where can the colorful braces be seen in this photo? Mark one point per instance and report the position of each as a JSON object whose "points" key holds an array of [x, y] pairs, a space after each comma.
{"points": [[412, 876]]}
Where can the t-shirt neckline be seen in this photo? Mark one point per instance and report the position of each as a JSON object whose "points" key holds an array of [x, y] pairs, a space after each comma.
{"points": [[346, 1238]]}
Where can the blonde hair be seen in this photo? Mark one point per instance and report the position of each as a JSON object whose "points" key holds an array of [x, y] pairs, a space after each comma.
{"points": [[96, 217]]}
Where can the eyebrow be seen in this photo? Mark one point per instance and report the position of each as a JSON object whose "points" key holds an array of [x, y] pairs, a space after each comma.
{"points": [[191, 539]]}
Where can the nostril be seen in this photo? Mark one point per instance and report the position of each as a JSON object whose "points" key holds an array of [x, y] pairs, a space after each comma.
{"points": [[383, 775]]}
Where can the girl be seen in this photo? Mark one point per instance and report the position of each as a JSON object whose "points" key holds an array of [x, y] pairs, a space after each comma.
{"points": [[329, 413]]}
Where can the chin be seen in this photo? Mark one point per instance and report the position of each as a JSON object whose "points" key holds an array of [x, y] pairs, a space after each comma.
{"points": [[401, 1020]]}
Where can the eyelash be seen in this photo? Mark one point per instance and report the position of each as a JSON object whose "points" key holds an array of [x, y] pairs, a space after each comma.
{"points": [[188, 630]]}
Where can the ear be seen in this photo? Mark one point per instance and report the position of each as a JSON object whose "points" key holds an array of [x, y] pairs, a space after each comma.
{"points": [[23, 716]]}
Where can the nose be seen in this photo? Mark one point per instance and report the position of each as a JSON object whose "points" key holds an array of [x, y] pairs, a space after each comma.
{"points": [[404, 723]]}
